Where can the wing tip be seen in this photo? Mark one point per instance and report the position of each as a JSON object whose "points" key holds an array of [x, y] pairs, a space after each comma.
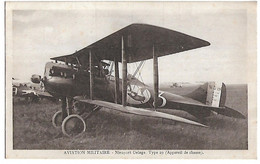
{"points": [[207, 43], [203, 125]]}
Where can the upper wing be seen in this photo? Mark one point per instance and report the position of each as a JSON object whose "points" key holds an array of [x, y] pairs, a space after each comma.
{"points": [[66, 58], [77, 59], [137, 111], [139, 40]]}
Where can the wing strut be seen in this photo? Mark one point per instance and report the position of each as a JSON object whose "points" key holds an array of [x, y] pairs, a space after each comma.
{"points": [[116, 80], [124, 74], [91, 79], [78, 61], [111, 67], [155, 78]]}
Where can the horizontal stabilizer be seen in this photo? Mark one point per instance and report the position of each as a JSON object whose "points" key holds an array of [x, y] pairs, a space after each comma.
{"points": [[226, 111], [201, 108], [137, 111]]}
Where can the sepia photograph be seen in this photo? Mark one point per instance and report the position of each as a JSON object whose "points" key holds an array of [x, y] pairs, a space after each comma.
{"points": [[131, 80]]}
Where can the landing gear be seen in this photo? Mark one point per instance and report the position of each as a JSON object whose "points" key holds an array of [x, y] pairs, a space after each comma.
{"points": [[72, 117], [75, 124], [59, 116]]}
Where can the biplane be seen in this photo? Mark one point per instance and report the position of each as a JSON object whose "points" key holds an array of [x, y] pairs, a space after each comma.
{"points": [[176, 85], [85, 84], [30, 92]]}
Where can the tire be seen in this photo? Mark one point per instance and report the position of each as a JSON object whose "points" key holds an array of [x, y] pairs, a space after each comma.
{"points": [[57, 119], [73, 125]]}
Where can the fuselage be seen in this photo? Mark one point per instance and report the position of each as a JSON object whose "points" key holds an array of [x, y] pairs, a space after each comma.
{"points": [[63, 80]]}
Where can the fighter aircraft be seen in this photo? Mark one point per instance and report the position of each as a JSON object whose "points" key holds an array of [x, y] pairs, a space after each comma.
{"points": [[30, 92], [84, 83], [176, 85]]}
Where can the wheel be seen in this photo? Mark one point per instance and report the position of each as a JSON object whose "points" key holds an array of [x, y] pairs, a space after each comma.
{"points": [[73, 125], [57, 119], [78, 107]]}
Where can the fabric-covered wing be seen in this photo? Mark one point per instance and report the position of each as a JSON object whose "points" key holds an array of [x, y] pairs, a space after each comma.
{"points": [[139, 40], [76, 59], [137, 111], [66, 58]]}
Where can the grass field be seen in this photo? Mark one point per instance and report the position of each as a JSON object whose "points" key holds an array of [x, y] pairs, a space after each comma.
{"points": [[111, 130]]}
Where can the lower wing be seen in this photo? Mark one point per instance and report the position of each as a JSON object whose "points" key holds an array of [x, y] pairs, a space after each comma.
{"points": [[137, 111]]}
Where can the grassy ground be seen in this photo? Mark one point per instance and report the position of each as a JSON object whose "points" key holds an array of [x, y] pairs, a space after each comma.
{"points": [[112, 130]]}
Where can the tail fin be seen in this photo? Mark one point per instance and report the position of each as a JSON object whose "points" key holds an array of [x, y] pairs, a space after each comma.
{"points": [[210, 93], [214, 95]]}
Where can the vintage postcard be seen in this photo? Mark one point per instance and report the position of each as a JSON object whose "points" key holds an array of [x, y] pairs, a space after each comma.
{"points": [[125, 80]]}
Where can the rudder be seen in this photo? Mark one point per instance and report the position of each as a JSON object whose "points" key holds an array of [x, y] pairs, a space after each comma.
{"points": [[210, 93], [216, 94]]}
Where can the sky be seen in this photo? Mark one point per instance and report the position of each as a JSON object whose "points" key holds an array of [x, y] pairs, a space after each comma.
{"points": [[44, 32]]}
